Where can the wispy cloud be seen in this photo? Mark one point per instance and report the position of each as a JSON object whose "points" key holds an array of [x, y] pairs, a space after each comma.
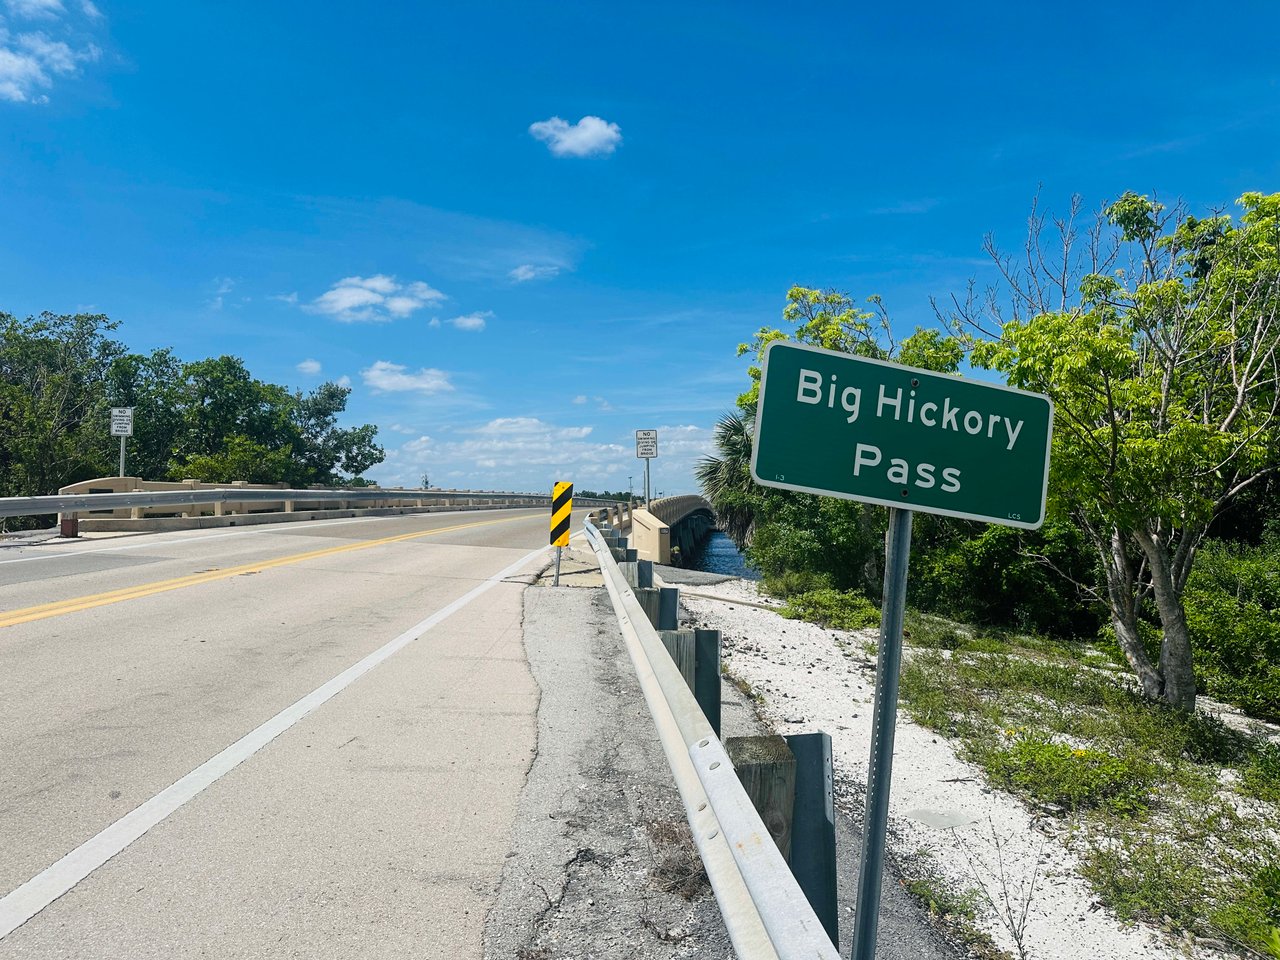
{"points": [[29, 61], [221, 287], [529, 271], [908, 207], [589, 137], [289, 298], [472, 321], [309, 366], [377, 299], [580, 398], [386, 377], [36, 9]]}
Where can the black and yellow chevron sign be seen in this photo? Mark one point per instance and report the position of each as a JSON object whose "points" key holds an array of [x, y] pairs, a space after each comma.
{"points": [[561, 508]]}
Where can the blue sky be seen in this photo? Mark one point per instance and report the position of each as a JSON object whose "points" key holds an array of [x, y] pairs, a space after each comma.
{"points": [[407, 195]]}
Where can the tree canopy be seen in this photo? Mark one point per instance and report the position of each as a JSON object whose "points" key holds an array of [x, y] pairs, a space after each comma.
{"points": [[207, 419]]}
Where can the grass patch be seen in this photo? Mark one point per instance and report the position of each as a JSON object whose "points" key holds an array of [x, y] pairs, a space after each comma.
{"points": [[1163, 835], [1072, 778], [837, 609]]}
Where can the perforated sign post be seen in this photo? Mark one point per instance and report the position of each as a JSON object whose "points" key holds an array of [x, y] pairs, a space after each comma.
{"points": [[122, 427], [845, 426], [646, 450]]}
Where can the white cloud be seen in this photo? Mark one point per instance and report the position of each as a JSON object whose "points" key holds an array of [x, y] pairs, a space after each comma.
{"points": [[520, 452], [433, 322], [36, 9], [90, 10], [590, 136], [343, 381], [472, 321], [528, 453], [289, 298], [580, 398], [386, 377], [376, 299], [528, 271], [30, 61], [309, 366]]}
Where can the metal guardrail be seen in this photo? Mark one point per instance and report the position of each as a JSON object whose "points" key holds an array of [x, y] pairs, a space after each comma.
{"points": [[84, 502], [766, 913]]}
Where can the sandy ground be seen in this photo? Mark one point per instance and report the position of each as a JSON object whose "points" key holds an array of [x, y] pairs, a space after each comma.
{"points": [[811, 678]]}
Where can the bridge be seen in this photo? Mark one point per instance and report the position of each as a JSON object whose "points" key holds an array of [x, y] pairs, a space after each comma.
{"points": [[331, 734]]}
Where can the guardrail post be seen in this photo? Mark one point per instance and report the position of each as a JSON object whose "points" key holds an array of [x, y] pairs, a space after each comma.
{"points": [[680, 644], [668, 609], [767, 768], [649, 600], [644, 574], [68, 525], [706, 675], [813, 828]]}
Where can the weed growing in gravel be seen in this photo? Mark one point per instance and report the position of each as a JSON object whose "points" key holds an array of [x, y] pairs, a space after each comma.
{"points": [[1175, 816], [677, 868], [838, 609]]}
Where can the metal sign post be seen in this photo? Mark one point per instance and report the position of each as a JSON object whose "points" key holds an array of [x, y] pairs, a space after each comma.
{"points": [[866, 919], [844, 426], [646, 450], [561, 513], [122, 427]]}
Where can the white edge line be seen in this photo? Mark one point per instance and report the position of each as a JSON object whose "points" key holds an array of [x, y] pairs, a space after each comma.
{"points": [[23, 903]]}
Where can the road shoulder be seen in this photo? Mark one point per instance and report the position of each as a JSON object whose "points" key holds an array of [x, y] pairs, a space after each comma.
{"points": [[600, 865]]}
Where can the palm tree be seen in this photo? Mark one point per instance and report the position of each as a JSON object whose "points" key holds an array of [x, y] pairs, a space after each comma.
{"points": [[726, 480]]}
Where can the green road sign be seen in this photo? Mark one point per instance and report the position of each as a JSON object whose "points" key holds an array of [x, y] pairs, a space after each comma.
{"points": [[846, 426]]}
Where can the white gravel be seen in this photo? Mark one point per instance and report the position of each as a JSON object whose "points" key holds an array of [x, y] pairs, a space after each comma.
{"points": [[812, 678]]}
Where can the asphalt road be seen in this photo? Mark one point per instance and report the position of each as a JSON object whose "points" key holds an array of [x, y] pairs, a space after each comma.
{"points": [[277, 741]]}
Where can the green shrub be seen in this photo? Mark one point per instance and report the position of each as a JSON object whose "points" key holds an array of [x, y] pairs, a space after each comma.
{"points": [[988, 575], [838, 609], [1071, 777], [1237, 649], [788, 583], [1261, 777], [838, 540], [1145, 875]]}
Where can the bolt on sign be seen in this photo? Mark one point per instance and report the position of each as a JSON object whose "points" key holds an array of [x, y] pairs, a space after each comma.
{"points": [[846, 426], [561, 509]]}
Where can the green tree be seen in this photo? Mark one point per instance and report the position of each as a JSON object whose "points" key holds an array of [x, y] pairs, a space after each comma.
{"points": [[325, 451], [800, 539], [53, 402], [1160, 353], [151, 384]]}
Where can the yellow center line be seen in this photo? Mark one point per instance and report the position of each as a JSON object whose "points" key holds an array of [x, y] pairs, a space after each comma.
{"points": [[58, 608]]}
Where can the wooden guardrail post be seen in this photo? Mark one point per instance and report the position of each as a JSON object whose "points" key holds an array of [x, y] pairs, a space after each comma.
{"points": [[767, 768], [668, 609], [706, 675], [680, 644], [813, 828], [649, 599]]}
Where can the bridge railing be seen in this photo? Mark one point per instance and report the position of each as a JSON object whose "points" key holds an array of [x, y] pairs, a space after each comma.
{"points": [[92, 502], [766, 913]]}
